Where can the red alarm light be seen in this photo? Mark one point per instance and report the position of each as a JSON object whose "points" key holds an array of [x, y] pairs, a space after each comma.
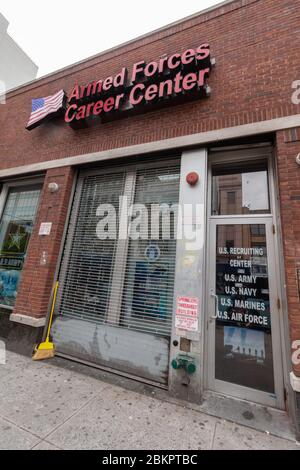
{"points": [[192, 178]]}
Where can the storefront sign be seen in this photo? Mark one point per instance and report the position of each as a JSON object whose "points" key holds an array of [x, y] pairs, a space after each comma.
{"points": [[187, 313], [172, 77]]}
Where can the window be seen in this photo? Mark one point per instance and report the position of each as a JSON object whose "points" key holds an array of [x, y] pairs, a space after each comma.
{"points": [[15, 230], [115, 303], [90, 268], [125, 283], [258, 230], [240, 189], [150, 272]]}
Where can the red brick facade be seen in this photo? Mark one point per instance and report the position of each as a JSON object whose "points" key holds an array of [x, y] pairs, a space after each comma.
{"points": [[288, 147], [37, 278], [256, 44]]}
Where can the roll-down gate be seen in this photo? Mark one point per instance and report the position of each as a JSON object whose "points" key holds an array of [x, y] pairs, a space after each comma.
{"points": [[116, 292]]}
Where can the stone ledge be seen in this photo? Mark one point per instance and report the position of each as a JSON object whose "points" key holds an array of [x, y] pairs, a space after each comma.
{"points": [[26, 320], [295, 382]]}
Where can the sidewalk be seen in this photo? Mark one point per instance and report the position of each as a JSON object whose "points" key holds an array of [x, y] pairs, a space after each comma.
{"points": [[46, 406]]}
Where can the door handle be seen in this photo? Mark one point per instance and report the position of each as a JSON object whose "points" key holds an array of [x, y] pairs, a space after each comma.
{"points": [[214, 317]]}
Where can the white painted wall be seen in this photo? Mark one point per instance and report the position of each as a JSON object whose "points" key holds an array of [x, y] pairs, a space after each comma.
{"points": [[16, 67]]}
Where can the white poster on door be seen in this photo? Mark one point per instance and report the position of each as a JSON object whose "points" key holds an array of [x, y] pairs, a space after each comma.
{"points": [[254, 188], [245, 341], [187, 313]]}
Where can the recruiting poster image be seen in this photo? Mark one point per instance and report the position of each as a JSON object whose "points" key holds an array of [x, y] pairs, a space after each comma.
{"points": [[245, 341], [12, 253], [16, 238], [9, 280], [150, 293]]}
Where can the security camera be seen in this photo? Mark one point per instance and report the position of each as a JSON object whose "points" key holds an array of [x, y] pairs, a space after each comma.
{"points": [[298, 159], [53, 187]]}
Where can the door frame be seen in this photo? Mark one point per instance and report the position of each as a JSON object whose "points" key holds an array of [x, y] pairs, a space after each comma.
{"points": [[16, 184], [277, 399]]}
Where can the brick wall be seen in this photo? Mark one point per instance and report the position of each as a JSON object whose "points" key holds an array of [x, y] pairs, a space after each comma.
{"points": [[36, 281], [288, 147], [255, 43]]}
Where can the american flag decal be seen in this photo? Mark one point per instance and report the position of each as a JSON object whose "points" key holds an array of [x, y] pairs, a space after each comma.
{"points": [[42, 108]]}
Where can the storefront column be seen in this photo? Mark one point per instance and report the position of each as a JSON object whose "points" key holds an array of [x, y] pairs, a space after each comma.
{"points": [[288, 147], [42, 254], [187, 337]]}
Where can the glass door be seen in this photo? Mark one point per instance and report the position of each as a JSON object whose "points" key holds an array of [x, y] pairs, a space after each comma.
{"points": [[244, 352]]}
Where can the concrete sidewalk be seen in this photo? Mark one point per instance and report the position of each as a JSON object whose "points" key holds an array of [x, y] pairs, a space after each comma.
{"points": [[46, 406]]}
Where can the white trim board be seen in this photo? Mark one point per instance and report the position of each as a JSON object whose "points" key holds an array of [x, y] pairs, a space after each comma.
{"points": [[202, 138], [27, 320]]}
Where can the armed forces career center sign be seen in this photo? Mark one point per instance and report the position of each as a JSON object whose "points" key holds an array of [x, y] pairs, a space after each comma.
{"points": [[173, 79]]}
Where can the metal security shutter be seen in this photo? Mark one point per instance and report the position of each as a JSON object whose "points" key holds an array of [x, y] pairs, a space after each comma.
{"points": [[116, 296], [87, 274], [149, 281]]}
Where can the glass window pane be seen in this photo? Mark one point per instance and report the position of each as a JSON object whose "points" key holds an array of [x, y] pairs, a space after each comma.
{"points": [[149, 281], [87, 285], [240, 189], [15, 230], [243, 327]]}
